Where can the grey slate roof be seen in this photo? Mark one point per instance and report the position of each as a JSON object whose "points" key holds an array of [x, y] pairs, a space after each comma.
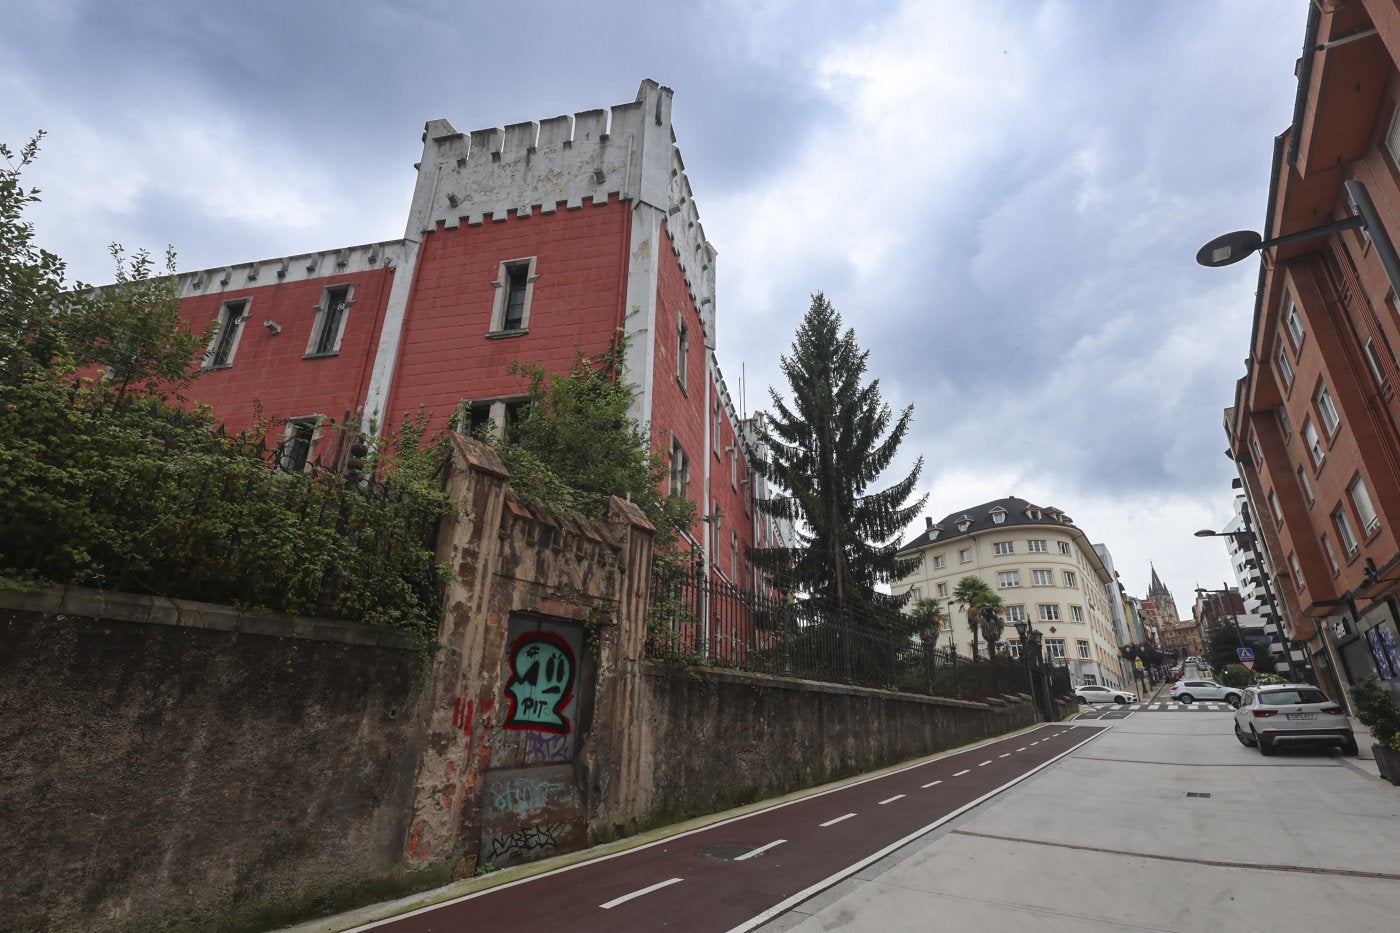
{"points": [[980, 518]]}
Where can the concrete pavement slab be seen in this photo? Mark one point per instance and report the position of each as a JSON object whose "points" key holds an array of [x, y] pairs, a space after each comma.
{"points": [[1108, 839]]}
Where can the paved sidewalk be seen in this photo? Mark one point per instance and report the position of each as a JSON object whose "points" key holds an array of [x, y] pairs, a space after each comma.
{"points": [[1163, 823]]}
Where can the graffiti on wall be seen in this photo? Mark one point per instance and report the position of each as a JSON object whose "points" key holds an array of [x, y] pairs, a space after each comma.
{"points": [[523, 795], [541, 747], [464, 715], [528, 843], [541, 683]]}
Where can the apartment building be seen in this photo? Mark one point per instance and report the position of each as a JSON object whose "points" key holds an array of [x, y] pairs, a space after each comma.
{"points": [[1043, 568], [1315, 426]]}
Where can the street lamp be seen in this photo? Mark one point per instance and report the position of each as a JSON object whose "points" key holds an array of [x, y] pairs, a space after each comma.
{"points": [[1023, 629], [1230, 248]]}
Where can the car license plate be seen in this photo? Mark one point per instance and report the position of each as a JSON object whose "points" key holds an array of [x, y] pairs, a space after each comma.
{"points": [[1302, 715]]}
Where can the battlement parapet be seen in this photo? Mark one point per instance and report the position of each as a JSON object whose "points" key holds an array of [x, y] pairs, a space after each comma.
{"points": [[627, 151], [296, 268]]}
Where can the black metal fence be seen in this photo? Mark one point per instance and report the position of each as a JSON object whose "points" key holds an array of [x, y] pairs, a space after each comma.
{"points": [[694, 620]]}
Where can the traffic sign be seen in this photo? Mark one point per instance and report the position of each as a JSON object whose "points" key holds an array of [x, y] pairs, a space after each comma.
{"points": [[1248, 663], [1245, 654]]}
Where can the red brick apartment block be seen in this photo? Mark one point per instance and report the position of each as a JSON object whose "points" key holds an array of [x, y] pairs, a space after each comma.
{"points": [[1315, 428]]}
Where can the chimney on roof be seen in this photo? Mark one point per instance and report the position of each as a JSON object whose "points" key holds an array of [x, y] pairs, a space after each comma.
{"points": [[928, 522]]}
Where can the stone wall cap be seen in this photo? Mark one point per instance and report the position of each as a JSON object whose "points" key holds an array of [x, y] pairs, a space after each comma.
{"points": [[117, 606]]}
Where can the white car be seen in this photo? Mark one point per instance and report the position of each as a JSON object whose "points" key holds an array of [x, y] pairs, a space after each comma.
{"points": [[1292, 714], [1188, 691], [1093, 693]]}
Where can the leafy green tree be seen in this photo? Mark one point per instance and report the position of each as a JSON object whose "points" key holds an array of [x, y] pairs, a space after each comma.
{"points": [[131, 329], [576, 444], [31, 279], [104, 482], [982, 605], [827, 446]]}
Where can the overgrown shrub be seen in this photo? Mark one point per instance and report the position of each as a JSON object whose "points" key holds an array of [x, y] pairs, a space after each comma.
{"points": [[1378, 709], [105, 482]]}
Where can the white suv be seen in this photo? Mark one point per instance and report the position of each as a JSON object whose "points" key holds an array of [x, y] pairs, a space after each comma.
{"points": [[1292, 714], [1093, 693], [1187, 691]]}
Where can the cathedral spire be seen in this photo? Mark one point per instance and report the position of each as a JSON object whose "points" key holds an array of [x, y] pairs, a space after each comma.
{"points": [[1156, 586]]}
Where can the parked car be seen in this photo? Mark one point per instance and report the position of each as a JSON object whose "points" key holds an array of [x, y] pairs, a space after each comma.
{"points": [[1273, 715], [1188, 691], [1093, 693]]}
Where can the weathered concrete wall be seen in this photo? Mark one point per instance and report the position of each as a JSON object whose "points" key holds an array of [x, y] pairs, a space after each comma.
{"points": [[175, 766], [709, 740], [181, 766]]}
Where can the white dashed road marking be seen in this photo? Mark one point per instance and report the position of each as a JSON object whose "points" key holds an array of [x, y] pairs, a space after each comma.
{"points": [[932, 783], [760, 850], [891, 800], [961, 773], [838, 819], [647, 890]]}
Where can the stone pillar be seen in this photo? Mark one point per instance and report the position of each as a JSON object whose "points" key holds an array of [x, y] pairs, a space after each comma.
{"points": [[464, 673]]}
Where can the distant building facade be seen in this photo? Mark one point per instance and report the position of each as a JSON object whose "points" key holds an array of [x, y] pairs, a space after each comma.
{"points": [[1043, 568]]}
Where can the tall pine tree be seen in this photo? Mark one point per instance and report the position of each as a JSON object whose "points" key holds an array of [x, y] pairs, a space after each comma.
{"points": [[827, 446]]}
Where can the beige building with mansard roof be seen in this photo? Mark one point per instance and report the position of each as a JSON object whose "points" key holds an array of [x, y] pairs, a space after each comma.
{"points": [[1043, 568]]}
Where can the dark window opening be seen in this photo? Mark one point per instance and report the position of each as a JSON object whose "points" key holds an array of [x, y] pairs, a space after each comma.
{"points": [[337, 300], [296, 447], [229, 319], [517, 277], [480, 418]]}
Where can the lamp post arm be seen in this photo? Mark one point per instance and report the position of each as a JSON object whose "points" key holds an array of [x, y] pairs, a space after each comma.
{"points": [[1351, 223], [1380, 237]]}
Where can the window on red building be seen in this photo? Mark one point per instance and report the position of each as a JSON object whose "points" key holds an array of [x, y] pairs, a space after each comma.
{"points": [[330, 321], [515, 287], [227, 332]]}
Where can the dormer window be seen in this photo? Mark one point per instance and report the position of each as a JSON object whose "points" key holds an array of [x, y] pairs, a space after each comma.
{"points": [[1033, 514], [998, 515], [964, 523]]}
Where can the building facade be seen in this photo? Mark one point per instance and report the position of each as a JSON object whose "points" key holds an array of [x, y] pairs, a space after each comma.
{"points": [[1315, 427], [1043, 568], [532, 243], [1254, 579]]}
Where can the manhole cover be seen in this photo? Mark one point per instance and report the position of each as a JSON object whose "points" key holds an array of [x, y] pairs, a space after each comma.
{"points": [[725, 853], [1191, 793]]}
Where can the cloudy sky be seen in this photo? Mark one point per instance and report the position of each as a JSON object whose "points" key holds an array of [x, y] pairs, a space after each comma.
{"points": [[1003, 197]]}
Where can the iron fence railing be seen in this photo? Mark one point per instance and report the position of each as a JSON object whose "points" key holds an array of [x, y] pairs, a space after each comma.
{"points": [[695, 620]]}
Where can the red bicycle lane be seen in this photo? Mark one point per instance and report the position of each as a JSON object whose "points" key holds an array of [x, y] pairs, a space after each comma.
{"points": [[736, 874]]}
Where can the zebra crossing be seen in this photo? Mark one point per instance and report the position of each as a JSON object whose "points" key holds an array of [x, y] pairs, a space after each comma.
{"points": [[1156, 706]]}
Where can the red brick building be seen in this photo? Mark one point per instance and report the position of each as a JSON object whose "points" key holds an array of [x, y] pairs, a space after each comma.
{"points": [[529, 243], [1315, 428]]}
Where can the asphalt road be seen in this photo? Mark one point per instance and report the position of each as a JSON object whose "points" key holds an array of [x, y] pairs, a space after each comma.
{"points": [[735, 875]]}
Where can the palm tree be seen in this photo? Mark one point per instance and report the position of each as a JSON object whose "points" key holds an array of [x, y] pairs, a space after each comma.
{"points": [[981, 603], [928, 617]]}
